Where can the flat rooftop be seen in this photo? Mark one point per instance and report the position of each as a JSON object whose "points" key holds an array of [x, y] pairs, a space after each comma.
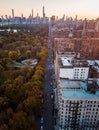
{"points": [[72, 84], [75, 89], [71, 61], [94, 64], [66, 61], [78, 94]]}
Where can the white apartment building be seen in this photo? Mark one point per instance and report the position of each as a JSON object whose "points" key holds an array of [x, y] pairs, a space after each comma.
{"points": [[77, 98], [78, 109], [71, 70]]}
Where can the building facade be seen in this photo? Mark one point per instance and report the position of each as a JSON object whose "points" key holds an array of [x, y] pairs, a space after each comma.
{"points": [[77, 109], [77, 96]]}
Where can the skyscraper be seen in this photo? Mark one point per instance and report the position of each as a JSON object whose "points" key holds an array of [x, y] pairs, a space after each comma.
{"points": [[43, 12], [22, 15], [2, 19], [12, 13], [32, 13]]}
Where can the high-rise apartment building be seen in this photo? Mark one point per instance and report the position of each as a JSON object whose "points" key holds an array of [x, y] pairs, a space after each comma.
{"points": [[77, 96], [78, 109]]}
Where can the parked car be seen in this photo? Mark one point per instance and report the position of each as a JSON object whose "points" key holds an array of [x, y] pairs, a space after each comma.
{"points": [[41, 120], [41, 128]]}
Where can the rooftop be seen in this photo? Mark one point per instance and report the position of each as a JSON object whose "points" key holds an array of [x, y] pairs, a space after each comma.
{"points": [[97, 61], [76, 89], [94, 64], [72, 84], [71, 61], [66, 61], [91, 62], [78, 94]]}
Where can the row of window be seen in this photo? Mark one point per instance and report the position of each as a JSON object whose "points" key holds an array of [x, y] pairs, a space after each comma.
{"points": [[79, 77], [88, 120], [85, 115], [89, 123], [74, 107], [86, 111], [77, 73], [80, 102], [83, 70]]}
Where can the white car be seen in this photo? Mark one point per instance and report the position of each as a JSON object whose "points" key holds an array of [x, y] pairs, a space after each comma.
{"points": [[41, 128], [41, 119]]}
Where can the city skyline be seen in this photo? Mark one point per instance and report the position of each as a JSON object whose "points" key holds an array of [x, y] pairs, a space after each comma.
{"points": [[70, 8]]}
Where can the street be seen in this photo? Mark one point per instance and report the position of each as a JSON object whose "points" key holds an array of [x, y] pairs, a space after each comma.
{"points": [[47, 109]]}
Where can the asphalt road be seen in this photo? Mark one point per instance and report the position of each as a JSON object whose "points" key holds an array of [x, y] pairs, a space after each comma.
{"points": [[47, 109]]}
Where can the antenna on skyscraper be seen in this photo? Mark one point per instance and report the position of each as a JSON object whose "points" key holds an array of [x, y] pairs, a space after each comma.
{"points": [[43, 9]]}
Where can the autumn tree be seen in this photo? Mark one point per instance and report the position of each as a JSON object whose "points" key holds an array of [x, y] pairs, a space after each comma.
{"points": [[14, 54], [20, 121]]}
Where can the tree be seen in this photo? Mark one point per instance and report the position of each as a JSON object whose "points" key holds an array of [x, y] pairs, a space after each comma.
{"points": [[1, 43], [19, 80], [42, 55], [28, 54], [37, 41], [20, 121], [14, 54], [3, 103], [1, 68], [4, 127]]}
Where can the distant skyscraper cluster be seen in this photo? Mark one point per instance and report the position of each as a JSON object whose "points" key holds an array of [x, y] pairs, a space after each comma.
{"points": [[7, 20]]}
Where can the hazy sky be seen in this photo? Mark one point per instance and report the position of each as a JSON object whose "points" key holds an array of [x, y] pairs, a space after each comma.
{"points": [[83, 8]]}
